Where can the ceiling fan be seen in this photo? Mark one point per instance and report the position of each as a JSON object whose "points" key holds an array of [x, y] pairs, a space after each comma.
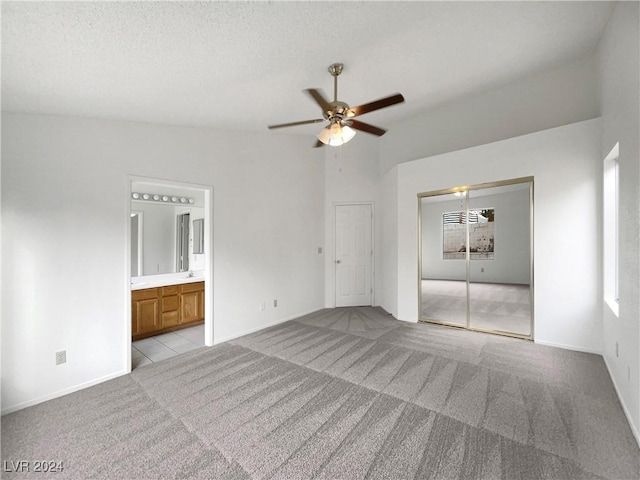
{"points": [[342, 124]]}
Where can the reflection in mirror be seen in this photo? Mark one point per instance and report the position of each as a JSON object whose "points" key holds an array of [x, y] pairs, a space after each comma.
{"points": [[499, 296], [198, 236], [443, 266], [182, 242], [158, 240]]}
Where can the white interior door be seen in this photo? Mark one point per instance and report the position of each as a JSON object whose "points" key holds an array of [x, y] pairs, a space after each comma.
{"points": [[354, 255]]}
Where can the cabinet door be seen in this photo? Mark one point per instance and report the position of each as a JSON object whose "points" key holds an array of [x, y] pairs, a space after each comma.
{"points": [[190, 307], [201, 304], [146, 315]]}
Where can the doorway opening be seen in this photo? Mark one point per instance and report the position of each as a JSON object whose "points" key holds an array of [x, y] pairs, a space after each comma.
{"points": [[476, 257], [169, 299]]}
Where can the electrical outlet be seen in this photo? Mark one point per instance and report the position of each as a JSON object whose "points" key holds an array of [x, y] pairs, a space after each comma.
{"points": [[617, 350], [61, 357], [319, 250], [263, 306], [275, 303], [482, 270]]}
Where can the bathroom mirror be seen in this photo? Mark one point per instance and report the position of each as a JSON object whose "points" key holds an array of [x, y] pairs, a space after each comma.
{"points": [[157, 238]]}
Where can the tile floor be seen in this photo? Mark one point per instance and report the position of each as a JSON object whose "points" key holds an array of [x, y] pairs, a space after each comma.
{"points": [[166, 345]]}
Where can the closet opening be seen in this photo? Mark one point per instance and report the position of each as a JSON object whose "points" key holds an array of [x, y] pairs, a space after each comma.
{"points": [[476, 257]]}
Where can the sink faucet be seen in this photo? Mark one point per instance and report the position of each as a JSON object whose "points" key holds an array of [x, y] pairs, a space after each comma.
{"points": [[190, 274]]}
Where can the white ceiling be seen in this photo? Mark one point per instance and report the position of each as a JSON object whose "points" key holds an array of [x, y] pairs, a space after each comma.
{"points": [[243, 65]]}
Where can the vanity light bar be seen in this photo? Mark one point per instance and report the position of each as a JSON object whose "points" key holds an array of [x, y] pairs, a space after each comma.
{"points": [[154, 197]]}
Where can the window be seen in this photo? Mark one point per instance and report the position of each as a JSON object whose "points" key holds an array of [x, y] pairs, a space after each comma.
{"points": [[611, 220]]}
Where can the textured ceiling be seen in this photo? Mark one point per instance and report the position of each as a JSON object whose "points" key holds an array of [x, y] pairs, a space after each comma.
{"points": [[244, 65]]}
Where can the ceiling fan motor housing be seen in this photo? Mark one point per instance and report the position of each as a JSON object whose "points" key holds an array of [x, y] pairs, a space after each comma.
{"points": [[337, 113]]}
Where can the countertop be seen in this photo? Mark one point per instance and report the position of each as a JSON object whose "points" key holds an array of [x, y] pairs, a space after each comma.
{"points": [[154, 281]]}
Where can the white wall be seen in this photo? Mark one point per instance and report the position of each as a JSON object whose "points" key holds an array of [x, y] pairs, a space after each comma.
{"points": [[619, 54], [351, 175], [565, 164], [511, 257], [59, 293], [559, 96], [389, 242]]}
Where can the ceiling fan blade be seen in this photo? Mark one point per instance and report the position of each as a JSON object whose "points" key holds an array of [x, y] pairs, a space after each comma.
{"points": [[375, 105], [318, 144], [319, 99], [293, 124], [365, 127]]}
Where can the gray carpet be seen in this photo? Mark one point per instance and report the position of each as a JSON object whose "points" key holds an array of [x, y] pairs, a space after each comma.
{"points": [[340, 394], [492, 306]]}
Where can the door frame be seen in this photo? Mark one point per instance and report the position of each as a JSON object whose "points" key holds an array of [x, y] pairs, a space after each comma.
{"points": [[467, 188], [208, 258], [373, 247], [140, 215]]}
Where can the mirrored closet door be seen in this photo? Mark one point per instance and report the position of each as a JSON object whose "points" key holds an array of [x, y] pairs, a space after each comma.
{"points": [[476, 257], [443, 283]]}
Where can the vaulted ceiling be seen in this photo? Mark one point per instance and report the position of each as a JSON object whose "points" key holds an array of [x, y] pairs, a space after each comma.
{"points": [[243, 65]]}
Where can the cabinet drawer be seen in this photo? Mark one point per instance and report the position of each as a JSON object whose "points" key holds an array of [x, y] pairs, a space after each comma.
{"points": [[192, 287], [144, 294], [170, 319], [170, 303], [170, 290]]}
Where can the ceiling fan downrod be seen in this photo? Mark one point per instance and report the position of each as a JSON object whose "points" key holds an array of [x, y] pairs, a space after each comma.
{"points": [[335, 69]]}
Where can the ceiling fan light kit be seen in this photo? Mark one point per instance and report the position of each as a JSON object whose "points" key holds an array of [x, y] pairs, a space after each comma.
{"points": [[342, 127], [336, 135]]}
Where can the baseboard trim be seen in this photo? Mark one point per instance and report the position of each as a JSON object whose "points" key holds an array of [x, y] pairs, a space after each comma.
{"points": [[567, 347], [60, 393], [634, 430], [262, 327]]}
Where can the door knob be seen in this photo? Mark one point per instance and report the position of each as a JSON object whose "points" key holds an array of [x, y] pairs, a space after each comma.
{"points": [[337, 261]]}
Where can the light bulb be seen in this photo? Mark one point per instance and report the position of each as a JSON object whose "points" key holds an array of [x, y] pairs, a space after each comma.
{"points": [[336, 134]]}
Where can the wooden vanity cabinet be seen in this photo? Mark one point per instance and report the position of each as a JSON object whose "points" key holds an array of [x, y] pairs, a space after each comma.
{"points": [[191, 303], [164, 309], [170, 305], [145, 311]]}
